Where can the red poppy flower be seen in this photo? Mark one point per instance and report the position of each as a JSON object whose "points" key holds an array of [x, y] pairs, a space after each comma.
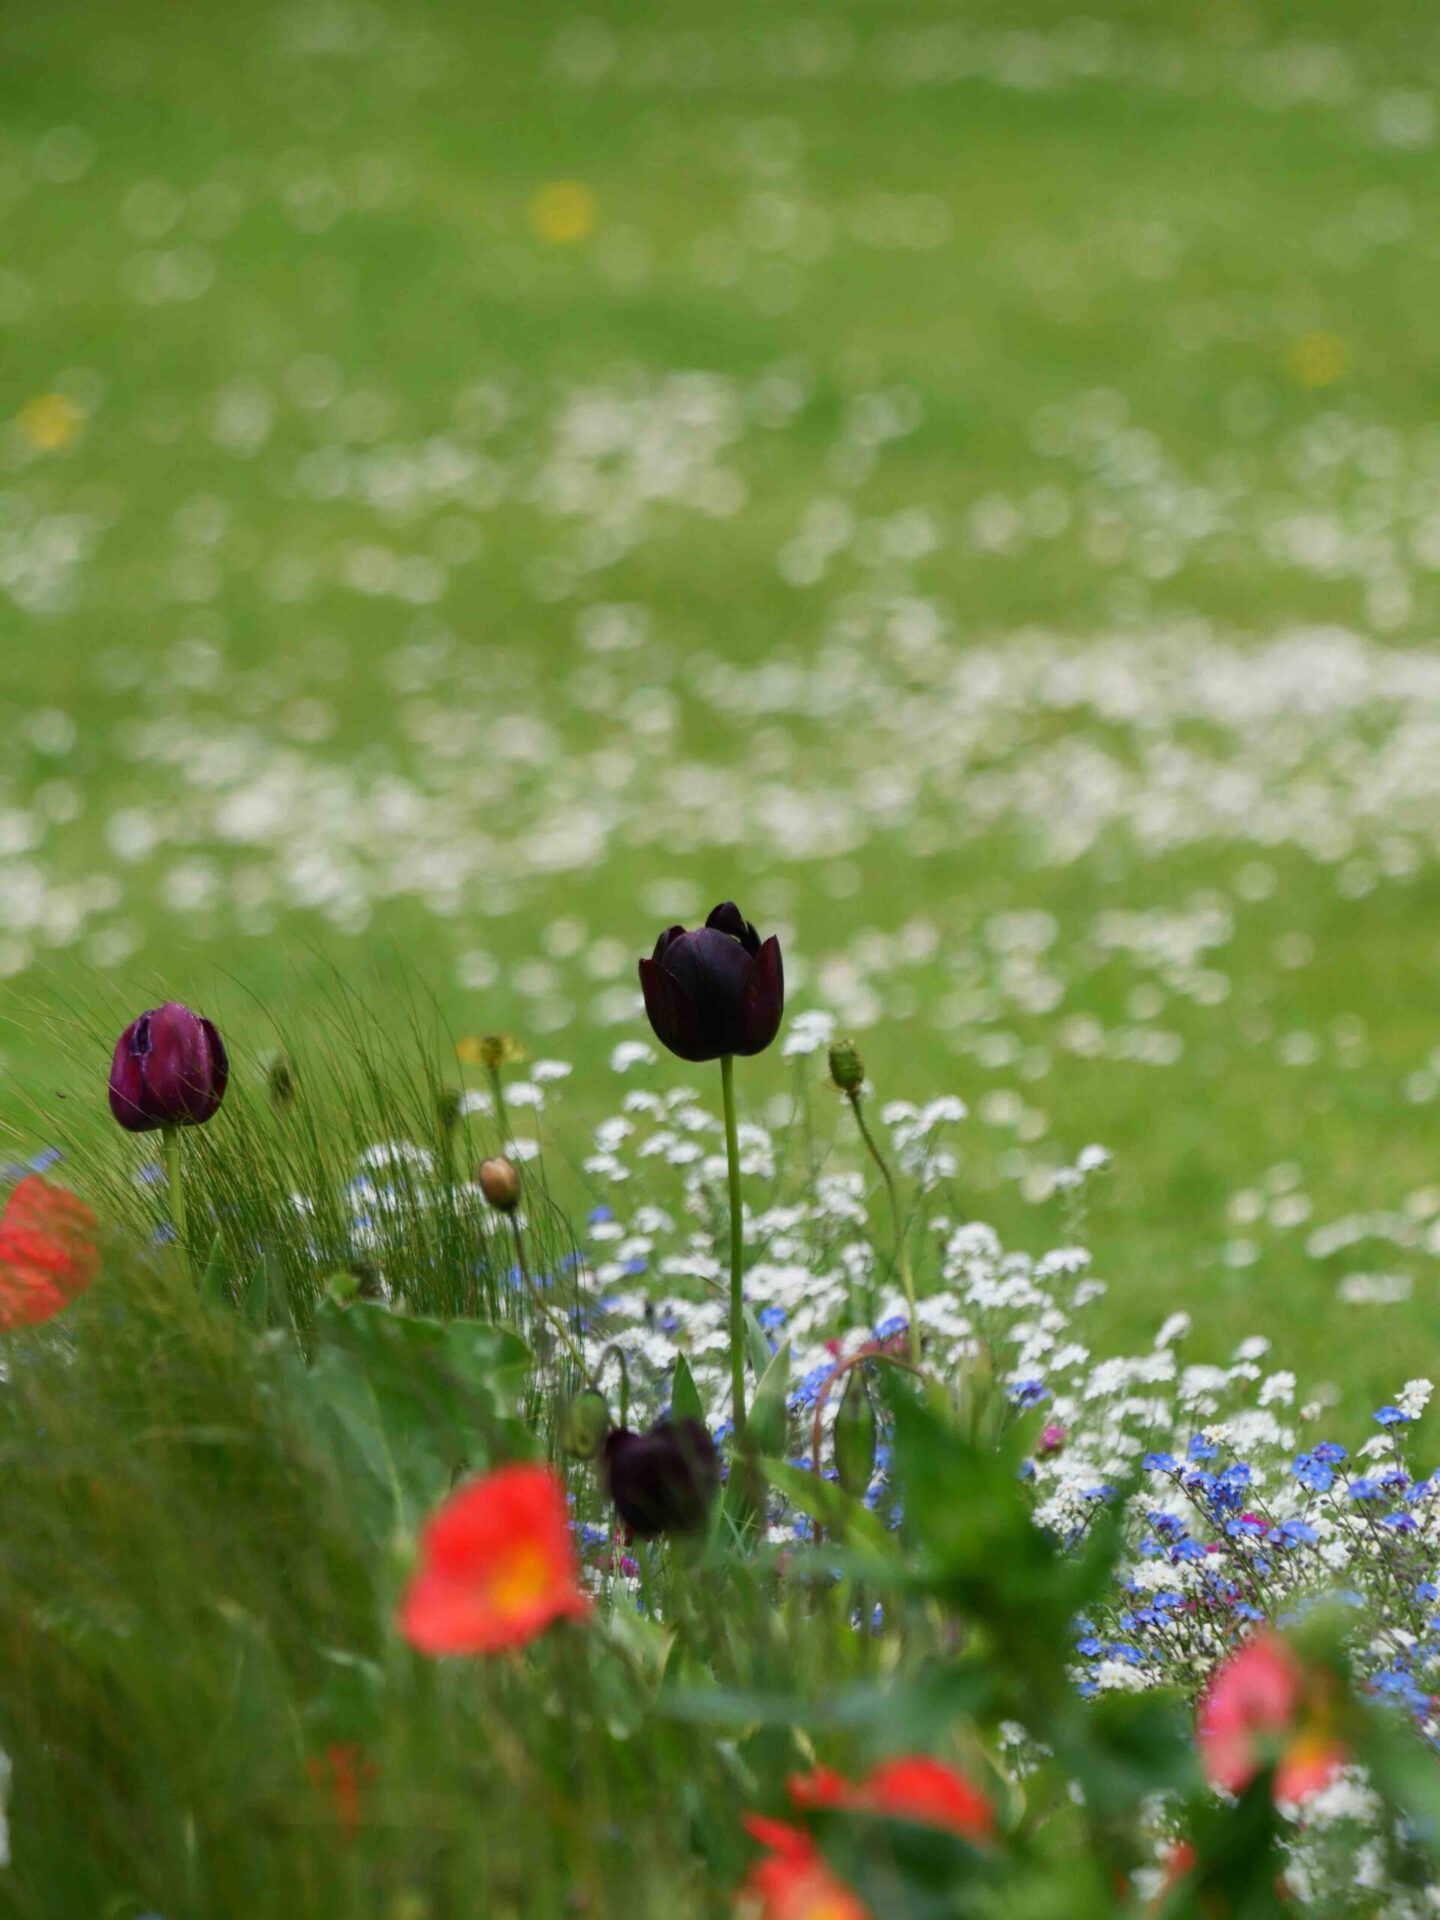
{"points": [[910, 1787], [497, 1566], [793, 1882], [47, 1252], [1263, 1703]]}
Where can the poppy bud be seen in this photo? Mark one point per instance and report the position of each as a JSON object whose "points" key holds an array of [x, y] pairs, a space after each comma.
{"points": [[500, 1183], [716, 989], [847, 1069], [170, 1070], [662, 1481], [855, 1436], [587, 1421]]}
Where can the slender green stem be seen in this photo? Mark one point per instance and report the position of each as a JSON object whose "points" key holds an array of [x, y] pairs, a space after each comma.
{"points": [[553, 1319], [737, 1248], [175, 1181], [497, 1093], [647, 1578], [902, 1250], [623, 1364]]}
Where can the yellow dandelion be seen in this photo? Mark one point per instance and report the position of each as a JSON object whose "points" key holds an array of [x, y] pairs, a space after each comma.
{"points": [[563, 212], [50, 421], [1316, 359]]}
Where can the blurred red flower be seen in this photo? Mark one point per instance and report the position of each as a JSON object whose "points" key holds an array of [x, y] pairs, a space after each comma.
{"points": [[911, 1787], [497, 1566], [1262, 1704], [792, 1881], [47, 1252]]}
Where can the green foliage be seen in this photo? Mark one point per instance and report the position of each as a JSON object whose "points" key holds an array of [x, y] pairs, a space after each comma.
{"points": [[685, 1402], [407, 1405], [209, 1711]]}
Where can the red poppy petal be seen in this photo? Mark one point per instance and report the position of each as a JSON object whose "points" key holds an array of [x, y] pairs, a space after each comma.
{"points": [[46, 1235], [28, 1294]]}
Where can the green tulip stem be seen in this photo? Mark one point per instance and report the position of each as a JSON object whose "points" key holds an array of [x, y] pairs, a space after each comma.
{"points": [[907, 1278], [737, 1248], [175, 1181]]}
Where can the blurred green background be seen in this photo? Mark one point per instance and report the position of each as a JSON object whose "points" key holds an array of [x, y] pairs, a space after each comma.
{"points": [[479, 482]]}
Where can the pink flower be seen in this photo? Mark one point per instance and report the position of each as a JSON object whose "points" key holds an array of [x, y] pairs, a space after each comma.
{"points": [[1261, 1706]]}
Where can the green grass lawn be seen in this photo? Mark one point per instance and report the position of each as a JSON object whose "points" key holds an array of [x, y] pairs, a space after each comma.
{"points": [[479, 483]]}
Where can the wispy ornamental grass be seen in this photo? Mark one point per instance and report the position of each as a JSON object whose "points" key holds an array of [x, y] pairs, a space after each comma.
{"points": [[206, 1702], [342, 1160]]}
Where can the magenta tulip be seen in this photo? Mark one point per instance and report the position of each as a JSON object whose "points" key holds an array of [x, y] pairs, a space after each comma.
{"points": [[170, 1070]]}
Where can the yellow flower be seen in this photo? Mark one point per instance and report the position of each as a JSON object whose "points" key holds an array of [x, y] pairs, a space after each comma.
{"points": [[490, 1050], [50, 421], [1316, 359], [563, 212]]}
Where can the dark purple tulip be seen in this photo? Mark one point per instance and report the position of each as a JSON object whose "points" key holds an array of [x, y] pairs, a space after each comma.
{"points": [[662, 1481], [715, 990], [169, 1070]]}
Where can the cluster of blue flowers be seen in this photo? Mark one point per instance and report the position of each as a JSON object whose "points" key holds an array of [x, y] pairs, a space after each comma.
{"points": [[1238, 1565]]}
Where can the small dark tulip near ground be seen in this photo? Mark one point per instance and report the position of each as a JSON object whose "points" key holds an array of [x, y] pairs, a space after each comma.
{"points": [[170, 1070], [714, 990], [662, 1481]]}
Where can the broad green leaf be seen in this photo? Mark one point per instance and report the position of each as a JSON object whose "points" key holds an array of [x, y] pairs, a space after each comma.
{"points": [[839, 1514], [757, 1343], [766, 1427], [685, 1402], [212, 1281], [768, 1419], [409, 1403]]}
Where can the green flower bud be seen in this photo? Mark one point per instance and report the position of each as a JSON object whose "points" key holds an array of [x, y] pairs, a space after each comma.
{"points": [[855, 1435], [280, 1079], [359, 1281], [847, 1069], [586, 1423]]}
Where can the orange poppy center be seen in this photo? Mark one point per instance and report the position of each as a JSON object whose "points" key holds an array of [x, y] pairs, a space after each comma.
{"points": [[521, 1578]]}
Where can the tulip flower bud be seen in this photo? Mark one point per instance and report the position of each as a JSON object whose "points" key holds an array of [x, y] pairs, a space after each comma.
{"points": [[170, 1070], [847, 1069], [500, 1183], [586, 1423], [855, 1435], [662, 1481], [714, 990]]}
